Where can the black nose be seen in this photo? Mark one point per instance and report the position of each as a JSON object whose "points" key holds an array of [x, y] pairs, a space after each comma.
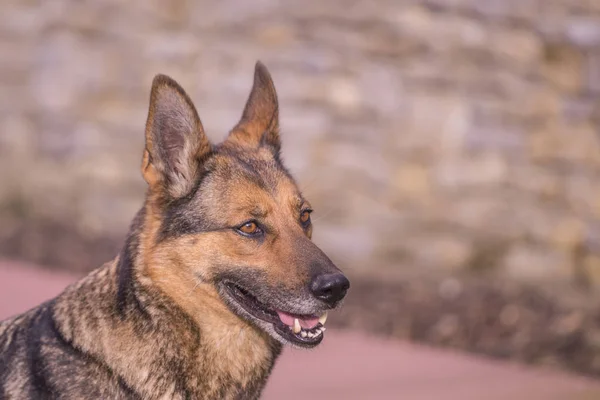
{"points": [[330, 288]]}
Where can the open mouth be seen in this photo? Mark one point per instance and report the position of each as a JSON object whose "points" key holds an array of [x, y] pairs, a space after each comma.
{"points": [[301, 330]]}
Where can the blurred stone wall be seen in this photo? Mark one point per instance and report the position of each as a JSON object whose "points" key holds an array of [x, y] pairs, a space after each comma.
{"points": [[454, 135]]}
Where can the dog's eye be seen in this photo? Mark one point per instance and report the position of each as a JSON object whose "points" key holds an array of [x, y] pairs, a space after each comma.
{"points": [[305, 216], [249, 228]]}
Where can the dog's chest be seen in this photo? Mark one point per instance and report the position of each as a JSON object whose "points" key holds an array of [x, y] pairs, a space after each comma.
{"points": [[234, 361]]}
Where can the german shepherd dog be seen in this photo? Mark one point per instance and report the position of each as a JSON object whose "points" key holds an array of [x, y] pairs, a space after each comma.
{"points": [[217, 272]]}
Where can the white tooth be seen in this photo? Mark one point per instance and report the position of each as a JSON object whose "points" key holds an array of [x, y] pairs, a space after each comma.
{"points": [[323, 318], [310, 335], [323, 329], [303, 333], [297, 327]]}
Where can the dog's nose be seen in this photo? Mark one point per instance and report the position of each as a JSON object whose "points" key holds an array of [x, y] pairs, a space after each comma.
{"points": [[330, 288]]}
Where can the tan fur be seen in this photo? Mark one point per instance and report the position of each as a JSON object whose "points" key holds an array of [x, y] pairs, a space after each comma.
{"points": [[238, 347]]}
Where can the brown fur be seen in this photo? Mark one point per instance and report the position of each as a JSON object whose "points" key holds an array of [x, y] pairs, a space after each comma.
{"points": [[160, 321]]}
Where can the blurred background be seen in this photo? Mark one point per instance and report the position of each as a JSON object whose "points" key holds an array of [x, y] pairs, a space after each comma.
{"points": [[451, 148]]}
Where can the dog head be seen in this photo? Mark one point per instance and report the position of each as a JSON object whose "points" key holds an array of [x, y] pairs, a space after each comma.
{"points": [[228, 223]]}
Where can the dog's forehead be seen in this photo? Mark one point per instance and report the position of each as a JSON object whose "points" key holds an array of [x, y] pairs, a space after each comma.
{"points": [[250, 169]]}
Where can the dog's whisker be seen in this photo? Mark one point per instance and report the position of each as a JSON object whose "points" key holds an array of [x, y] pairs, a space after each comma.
{"points": [[194, 288], [306, 185], [323, 215]]}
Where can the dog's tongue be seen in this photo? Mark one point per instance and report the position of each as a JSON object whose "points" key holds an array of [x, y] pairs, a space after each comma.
{"points": [[306, 323]]}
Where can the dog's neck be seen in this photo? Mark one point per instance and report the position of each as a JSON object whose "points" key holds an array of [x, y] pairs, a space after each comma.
{"points": [[174, 349]]}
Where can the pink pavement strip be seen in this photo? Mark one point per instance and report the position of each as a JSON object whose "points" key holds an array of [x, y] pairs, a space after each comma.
{"points": [[350, 365]]}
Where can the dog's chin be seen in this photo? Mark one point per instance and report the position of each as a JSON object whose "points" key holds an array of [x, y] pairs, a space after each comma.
{"points": [[266, 318]]}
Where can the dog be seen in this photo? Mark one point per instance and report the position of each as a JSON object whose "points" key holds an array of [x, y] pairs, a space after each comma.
{"points": [[217, 273]]}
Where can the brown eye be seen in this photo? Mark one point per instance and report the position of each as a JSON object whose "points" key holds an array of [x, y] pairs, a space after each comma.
{"points": [[249, 228], [305, 216]]}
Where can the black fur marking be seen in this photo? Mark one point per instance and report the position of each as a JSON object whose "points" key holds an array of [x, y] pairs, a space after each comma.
{"points": [[37, 330], [69, 352], [126, 296], [254, 172], [263, 173], [125, 267], [8, 353], [179, 218]]}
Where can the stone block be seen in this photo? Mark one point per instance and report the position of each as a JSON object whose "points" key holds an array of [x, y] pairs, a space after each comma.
{"points": [[413, 182], [573, 143], [484, 169], [568, 234], [537, 264], [562, 66], [593, 73], [591, 266], [520, 49], [584, 31]]}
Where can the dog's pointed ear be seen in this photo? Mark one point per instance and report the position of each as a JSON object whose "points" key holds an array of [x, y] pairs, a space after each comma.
{"points": [[175, 140], [259, 124]]}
